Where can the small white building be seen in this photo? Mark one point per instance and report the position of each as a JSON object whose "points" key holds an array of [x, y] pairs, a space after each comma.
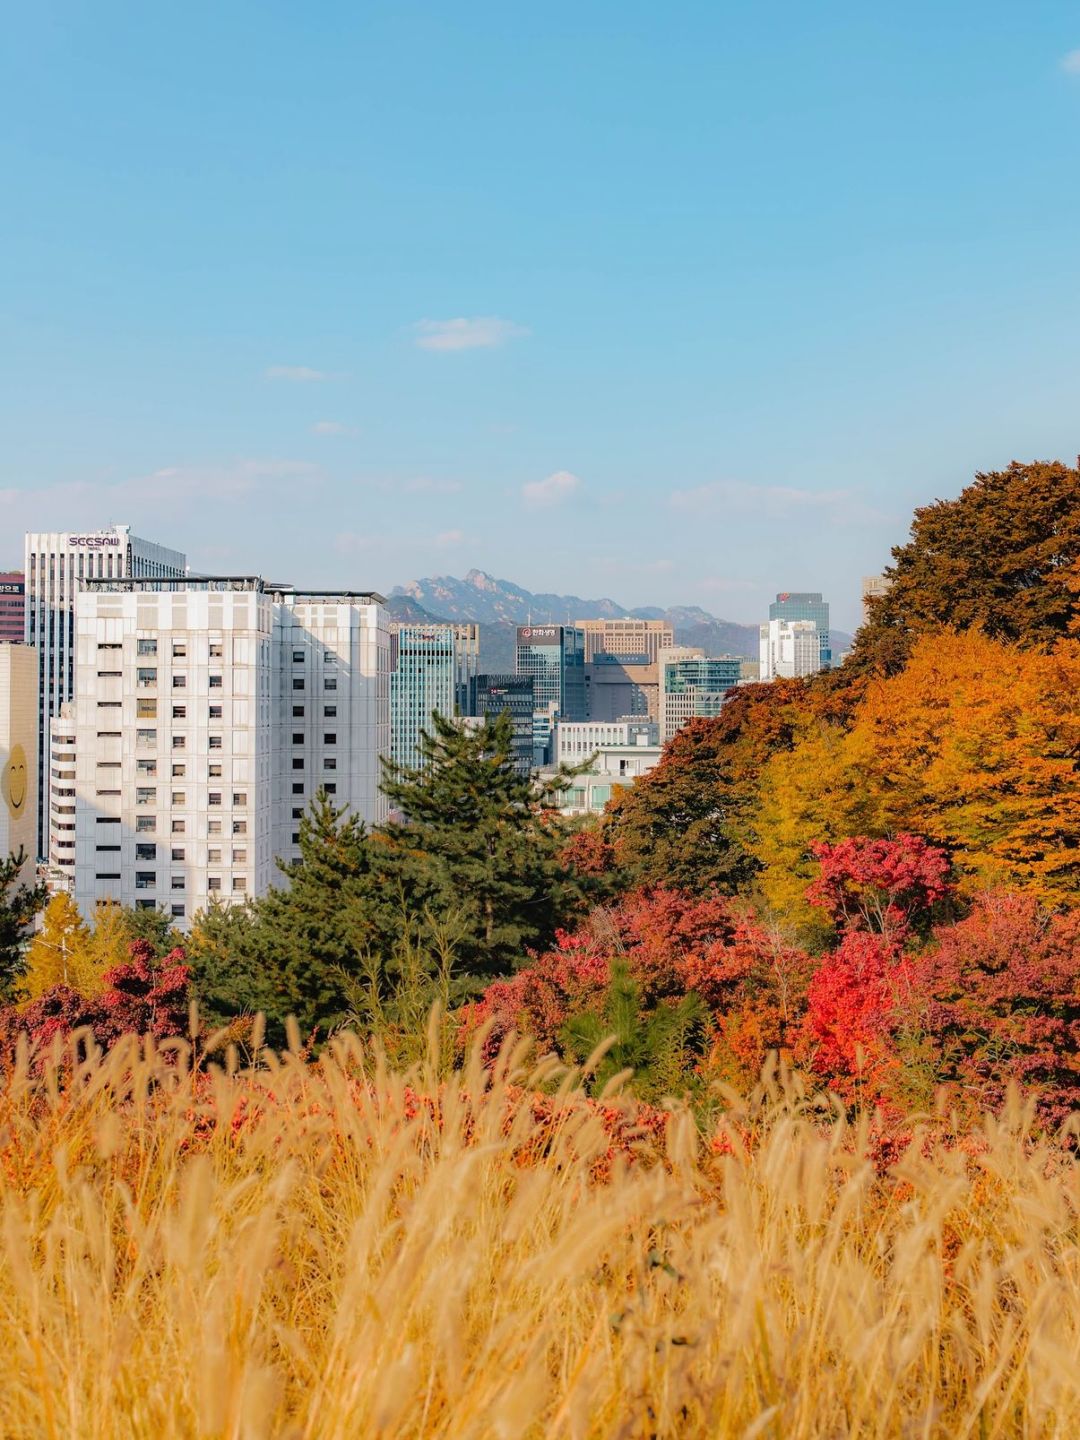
{"points": [[577, 740], [614, 766], [789, 649]]}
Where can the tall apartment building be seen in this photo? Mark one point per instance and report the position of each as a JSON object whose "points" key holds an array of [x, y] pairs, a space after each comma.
{"points": [[789, 649], [18, 754], [806, 605], [692, 686], [553, 656], [626, 636], [58, 563], [12, 607], [208, 713], [432, 667], [494, 694]]}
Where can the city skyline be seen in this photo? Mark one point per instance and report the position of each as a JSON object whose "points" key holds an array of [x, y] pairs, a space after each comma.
{"points": [[678, 308]]}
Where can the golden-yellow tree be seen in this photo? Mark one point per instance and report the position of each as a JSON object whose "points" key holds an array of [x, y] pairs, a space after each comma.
{"points": [[59, 953]]}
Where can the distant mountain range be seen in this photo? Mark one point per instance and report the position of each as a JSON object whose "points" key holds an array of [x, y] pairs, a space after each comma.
{"points": [[499, 606]]}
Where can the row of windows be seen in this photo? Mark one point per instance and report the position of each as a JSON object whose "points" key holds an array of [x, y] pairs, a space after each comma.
{"points": [[147, 880]]}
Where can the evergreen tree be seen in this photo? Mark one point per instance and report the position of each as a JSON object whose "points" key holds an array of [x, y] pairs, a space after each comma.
{"points": [[19, 903], [482, 842], [292, 951], [153, 926]]}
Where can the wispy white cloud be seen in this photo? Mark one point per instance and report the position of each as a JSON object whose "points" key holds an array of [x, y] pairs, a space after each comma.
{"points": [[724, 585], [449, 538], [1070, 63], [332, 427], [348, 542], [301, 374], [776, 502], [428, 485], [553, 490], [483, 332]]}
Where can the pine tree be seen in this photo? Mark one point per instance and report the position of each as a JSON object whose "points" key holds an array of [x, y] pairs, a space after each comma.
{"points": [[19, 903], [482, 842]]}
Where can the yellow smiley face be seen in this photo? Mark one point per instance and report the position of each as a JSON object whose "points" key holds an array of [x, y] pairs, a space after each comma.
{"points": [[15, 781]]}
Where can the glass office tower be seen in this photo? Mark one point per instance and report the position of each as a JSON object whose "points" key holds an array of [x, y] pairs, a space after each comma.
{"points": [[492, 694], [806, 605], [553, 656]]}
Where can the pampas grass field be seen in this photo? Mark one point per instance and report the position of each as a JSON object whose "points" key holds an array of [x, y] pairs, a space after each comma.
{"points": [[300, 1248]]}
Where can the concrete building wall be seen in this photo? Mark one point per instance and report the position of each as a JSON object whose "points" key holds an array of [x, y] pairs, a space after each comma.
{"points": [[18, 753]]}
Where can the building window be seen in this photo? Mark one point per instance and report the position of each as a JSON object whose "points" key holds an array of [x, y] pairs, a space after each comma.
{"points": [[331, 788], [108, 875], [177, 912], [239, 827], [213, 827], [239, 857], [297, 814], [215, 682], [146, 647], [179, 712], [213, 772], [298, 762], [145, 879], [329, 712], [330, 763], [216, 651], [109, 705], [298, 738], [178, 853], [213, 882], [115, 848], [145, 852], [239, 883], [213, 857], [144, 904], [179, 771], [239, 798], [297, 684], [215, 742], [298, 789], [145, 795], [179, 797], [330, 739], [146, 767], [296, 837], [179, 827], [329, 682], [298, 712], [215, 712], [298, 657], [146, 737], [178, 882], [144, 824], [179, 650], [145, 676], [179, 682], [146, 710], [214, 797], [179, 742]]}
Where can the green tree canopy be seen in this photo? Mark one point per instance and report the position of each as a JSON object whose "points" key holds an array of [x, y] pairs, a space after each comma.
{"points": [[19, 903], [484, 842]]}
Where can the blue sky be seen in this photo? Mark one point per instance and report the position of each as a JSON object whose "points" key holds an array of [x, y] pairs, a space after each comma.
{"points": [[679, 303]]}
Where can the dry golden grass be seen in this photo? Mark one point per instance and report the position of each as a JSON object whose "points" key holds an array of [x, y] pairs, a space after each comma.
{"points": [[332, 1261]]}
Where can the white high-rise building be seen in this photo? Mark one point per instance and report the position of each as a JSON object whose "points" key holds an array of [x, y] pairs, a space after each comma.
{"points": [[56, 565], [789, 649], [208, 713]]}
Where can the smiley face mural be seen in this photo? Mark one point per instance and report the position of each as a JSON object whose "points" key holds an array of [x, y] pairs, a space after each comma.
{"points": [[15, 782]]}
